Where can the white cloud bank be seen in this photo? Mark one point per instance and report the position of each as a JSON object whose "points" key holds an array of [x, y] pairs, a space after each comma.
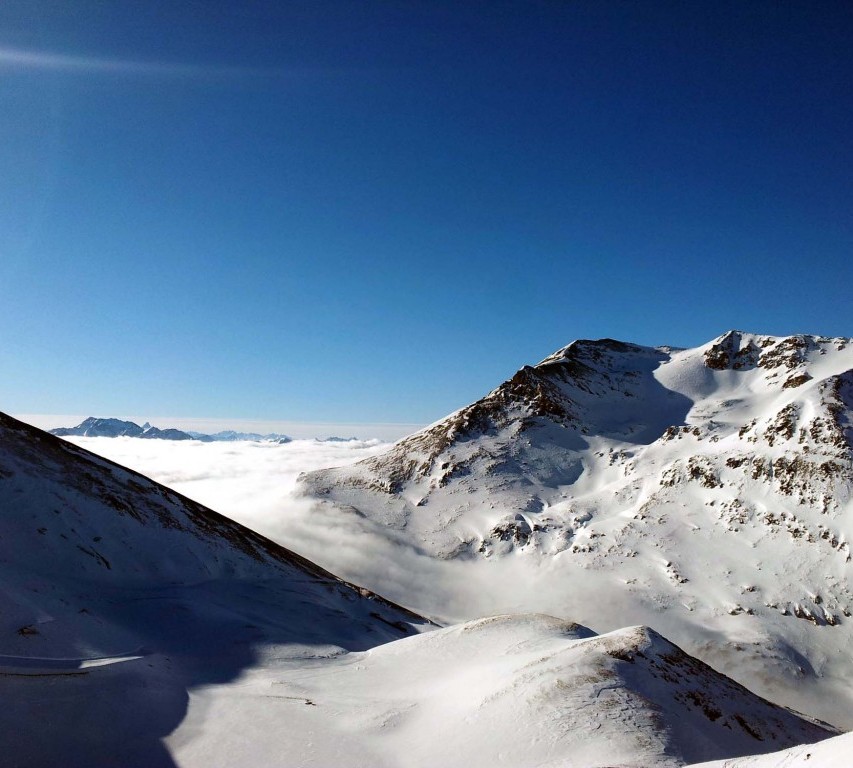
{"points": [[251, 482], [255, 483]]}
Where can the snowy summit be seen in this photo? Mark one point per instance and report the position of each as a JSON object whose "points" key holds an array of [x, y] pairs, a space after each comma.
{"points": [[707, 492]]}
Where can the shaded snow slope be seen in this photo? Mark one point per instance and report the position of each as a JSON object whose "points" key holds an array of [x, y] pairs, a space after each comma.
{"points": [[831, 753], [119, 596], [525, 690], [705, 492]]}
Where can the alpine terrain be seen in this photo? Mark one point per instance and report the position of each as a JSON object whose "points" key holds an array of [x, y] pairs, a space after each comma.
{"points": [[121, 596], [705, 492], [138, 628]]}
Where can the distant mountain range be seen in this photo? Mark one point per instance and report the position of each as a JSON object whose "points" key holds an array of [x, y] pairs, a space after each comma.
{"points": [[95, 427]]}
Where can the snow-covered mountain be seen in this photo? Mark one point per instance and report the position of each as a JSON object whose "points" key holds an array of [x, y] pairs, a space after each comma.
{"points": [[119, 597], [138, 628], [230, 435], [95, 427], [705, 492]]}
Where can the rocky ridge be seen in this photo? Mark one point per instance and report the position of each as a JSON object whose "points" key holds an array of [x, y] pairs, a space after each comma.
{"points": [[698, 484]]}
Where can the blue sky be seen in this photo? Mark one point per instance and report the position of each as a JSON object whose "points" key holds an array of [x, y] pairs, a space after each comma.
{"points": [[377, 211]]}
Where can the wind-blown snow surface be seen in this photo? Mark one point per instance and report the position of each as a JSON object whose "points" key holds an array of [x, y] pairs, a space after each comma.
{"points": [[513, 690], [704, 492], [120, 596], [831, 753]]}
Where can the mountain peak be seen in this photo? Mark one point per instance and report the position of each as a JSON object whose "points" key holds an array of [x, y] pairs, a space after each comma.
{"points": [[593, 349], [691, 478]]}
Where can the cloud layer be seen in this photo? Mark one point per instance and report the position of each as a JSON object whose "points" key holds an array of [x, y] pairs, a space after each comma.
{"points": [[254, 483], [251, 482]]}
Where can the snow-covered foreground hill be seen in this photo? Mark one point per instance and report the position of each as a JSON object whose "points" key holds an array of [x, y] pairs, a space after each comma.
{"points": [[138, 628], [119, 596], [515, 690], [704, 492]]}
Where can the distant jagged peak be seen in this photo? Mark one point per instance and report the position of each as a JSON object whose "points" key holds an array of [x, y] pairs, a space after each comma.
{"points": [[111, 427], [100, 427]]}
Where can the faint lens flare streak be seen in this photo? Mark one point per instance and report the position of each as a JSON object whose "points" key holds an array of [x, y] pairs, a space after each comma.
{"points": [[59, 62]]}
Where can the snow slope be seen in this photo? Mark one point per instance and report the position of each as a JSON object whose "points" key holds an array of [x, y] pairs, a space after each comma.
{"points": [[831, 753], [120, 596], [138, 628], [525, 690], [705, 492]]}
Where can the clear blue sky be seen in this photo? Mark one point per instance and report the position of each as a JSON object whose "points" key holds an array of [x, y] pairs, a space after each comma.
{"points": [[377, 211]]}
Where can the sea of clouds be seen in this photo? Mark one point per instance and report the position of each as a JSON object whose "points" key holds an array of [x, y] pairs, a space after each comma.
{"points": [[254, 483]]}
